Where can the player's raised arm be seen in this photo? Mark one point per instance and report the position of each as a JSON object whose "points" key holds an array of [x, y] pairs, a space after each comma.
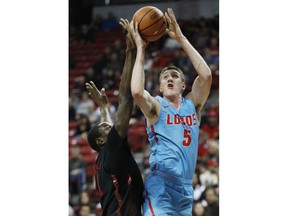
{"points": [[101, 99], [201, 87], [148, 104], [125, 107]]}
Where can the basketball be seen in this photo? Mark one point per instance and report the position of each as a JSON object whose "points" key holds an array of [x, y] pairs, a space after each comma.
{"points": [[151, 23]]}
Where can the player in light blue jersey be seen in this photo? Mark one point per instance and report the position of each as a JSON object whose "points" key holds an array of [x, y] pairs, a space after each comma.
{"points": [[172, 126]]}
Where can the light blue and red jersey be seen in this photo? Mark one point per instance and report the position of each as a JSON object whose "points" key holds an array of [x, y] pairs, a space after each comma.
{"points": [[174, 140]]}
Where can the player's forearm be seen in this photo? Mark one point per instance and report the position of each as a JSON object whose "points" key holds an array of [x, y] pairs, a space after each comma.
{"points": [[124, 111], [198, 62], [105, 115], [138, 75], [125, 98], [124, 87]]}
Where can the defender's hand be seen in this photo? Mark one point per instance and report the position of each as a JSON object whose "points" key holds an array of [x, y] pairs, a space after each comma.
{"points": [[100, 97], [129, 40]]}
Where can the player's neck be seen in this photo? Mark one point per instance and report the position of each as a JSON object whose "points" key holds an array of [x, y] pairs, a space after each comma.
{"points": [[175, 101]]}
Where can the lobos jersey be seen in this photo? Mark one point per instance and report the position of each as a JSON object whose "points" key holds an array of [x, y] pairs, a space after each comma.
{"points": [[174, 139]]}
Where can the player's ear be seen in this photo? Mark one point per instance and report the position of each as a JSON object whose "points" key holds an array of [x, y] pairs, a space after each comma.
{"points": [[99, 141], [183, 86], [160, 88]]}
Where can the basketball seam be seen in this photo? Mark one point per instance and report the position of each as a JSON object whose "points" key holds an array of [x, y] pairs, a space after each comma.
{"points": [[144, 16], [157, 33], [151, 24]]}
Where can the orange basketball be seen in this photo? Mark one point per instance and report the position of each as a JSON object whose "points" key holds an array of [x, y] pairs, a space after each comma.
{"points": [[151, 23]]}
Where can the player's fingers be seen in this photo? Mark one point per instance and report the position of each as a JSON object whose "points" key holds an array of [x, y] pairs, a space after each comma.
{"points": [[96, 90], [132, 25], [126, 26], [170, 12], [136, 27], [168, 18], [126, 22], [133, 28], [123, 26], [89, 88], [122, 20], [172, 16], [93, 85], [103, 91], [104, 94]]}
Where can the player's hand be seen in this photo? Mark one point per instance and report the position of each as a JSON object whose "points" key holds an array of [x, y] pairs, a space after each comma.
{"points": [[129, 40], [140, 43], [100, 97], [174, 30]]}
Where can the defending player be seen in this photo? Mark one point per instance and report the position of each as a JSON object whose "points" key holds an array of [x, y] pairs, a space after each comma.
{"points": [[118, 178]]}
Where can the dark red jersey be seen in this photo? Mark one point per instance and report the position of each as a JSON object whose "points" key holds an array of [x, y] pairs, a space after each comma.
{"points": [[118, 178]]}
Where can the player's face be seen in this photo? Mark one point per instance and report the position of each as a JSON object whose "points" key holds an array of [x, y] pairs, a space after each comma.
{"points": [[171, 83], [104, 128]]}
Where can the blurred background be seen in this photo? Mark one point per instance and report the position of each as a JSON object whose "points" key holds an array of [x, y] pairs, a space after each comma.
{"points": [[97, 51]]}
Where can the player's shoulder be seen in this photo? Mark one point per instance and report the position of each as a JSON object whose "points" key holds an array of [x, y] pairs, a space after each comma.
{"points": [[188, 99], [158, 98]]}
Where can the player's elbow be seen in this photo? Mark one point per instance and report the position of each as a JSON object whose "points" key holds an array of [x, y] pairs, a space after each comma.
{"points": [[137, 97], [207, 76], [137, 93]]}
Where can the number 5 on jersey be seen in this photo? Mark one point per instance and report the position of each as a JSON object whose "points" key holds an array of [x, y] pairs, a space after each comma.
{"points": [[187, 138]]}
